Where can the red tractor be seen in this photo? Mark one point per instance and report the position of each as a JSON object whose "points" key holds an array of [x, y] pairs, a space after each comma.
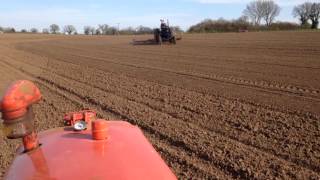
{"points": [[87, 148]]}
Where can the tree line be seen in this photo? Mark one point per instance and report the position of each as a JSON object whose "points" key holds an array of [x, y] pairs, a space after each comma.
{"points": [[105, 29], [101, 29], [260, 15]]}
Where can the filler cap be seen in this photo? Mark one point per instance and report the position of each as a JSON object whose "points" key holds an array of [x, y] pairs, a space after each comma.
{"points": [[99, 129]]}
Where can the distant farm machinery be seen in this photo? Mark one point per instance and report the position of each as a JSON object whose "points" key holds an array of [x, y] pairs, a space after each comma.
{"points": [[161, 35]]}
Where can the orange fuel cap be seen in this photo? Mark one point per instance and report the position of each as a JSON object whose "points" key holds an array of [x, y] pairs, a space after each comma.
{"points": [[99, 129]]}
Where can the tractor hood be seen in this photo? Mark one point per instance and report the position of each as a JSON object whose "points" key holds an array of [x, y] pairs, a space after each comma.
{"points": [[67, 154]]}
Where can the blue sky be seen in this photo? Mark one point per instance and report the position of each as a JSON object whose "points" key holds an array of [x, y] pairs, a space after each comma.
{"points": [[41, 13]]}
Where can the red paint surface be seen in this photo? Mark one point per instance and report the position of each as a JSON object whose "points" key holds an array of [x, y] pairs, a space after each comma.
{"points": [[17, 98], [126, 154], [71, 118]]}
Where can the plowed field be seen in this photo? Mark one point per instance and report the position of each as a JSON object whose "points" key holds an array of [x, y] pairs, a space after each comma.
{"points": [[234, 105]]}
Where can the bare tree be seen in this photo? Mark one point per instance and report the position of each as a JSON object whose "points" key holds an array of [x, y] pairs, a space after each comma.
{"points": [[270, 11], [9, 30], [34, 30], [103, 28], [254, 11], [303, 12], [176, 29], [144, 30], [45, 31], [112, 31], [315, 15], [107, 30], [69, 29], [92, 30], [97, 32], [128, 30], [86, 30], [262, 9], [54, 28]]}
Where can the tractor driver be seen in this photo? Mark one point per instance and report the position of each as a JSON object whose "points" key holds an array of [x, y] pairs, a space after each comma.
{"points": [[164, 27]]}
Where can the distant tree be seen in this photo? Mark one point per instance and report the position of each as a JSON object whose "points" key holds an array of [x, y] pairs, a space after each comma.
{"points": [[176, 29], [92, 30], [315, 15], [284, 26], [144, 30], [23, 31], [107, 30], [303, 12], [127, 31], [254, 11], [45, 31], [242, 23], [257, 10], [103, 28], [69, 29], [86, 30], [34, 30], [270, 11], [54, 28], [9, 30], [112, 31], [220, 25], [97, 32], [1, 28]]}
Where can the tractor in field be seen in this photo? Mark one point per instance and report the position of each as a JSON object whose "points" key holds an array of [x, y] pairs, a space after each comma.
{"points": [[165, 33], [86, 148], [161, 35]]}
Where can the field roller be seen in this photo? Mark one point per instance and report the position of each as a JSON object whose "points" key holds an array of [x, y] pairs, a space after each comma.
{"points": [[86, 148]]}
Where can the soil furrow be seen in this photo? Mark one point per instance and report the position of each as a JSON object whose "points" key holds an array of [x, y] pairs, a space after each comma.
{"points": [[196, 169], [240, 131], [285, 88], [216, 106], [229, 167]]}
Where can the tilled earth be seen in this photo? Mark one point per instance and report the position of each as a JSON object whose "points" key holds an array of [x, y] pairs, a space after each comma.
{"points": [[216, 106]]}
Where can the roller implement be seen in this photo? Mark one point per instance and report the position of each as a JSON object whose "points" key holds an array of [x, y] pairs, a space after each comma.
{"points": [[86, 148]]}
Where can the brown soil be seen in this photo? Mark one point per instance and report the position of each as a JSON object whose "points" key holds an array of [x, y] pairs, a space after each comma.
{"points": [[226, 106]]}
